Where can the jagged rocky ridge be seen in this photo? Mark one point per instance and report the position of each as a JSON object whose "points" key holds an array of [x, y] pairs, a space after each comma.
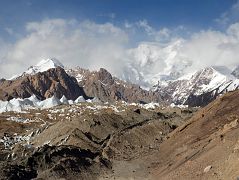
{"points": [[196, 89], [103, 85], [43, 85], [199, 88]]}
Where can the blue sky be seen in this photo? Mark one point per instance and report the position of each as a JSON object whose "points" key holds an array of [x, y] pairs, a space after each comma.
{"points": [[112, 33], [193, 14]]}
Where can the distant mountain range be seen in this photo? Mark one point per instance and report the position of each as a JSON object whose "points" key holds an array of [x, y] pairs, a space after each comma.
{"points": [[49, 77], [199, 88]]}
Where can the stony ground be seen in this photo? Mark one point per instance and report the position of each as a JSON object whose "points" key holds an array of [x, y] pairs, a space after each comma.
{"points": [[122, 141], [83, 141], [205, 147]]}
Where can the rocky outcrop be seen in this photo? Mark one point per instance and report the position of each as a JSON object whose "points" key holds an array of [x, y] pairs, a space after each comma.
{"points": [[43, 84], [49, 162], [104, 86]]}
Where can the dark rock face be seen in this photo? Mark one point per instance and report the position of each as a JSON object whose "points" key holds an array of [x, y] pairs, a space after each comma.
{"points": [[204, 98], [201, 100], [2, 80], [57, 161], [191, 99], [44, 85], [105, 77], [104, 86], [236, 72]]}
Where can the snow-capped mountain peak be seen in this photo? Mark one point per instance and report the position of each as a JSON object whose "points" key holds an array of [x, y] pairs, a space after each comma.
{"points": [[153, 62], [41, 66], [46, 64], [211, 81], [210, 78]]}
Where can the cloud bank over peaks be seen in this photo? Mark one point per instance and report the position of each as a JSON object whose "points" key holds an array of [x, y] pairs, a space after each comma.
{"points": [[86, 44], [230, 16], [164, 55], [151, 62]]}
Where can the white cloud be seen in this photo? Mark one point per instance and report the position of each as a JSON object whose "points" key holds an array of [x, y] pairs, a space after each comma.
{"points": [[163, 33], [152, 61], [230, 16], [9, 31], [233, 30], [158, 35], [85, 43], [92, 45], [128, 25], [108, 15], [209, 48], [144, 24]]}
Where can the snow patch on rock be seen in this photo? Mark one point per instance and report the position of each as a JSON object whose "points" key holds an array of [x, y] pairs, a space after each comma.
{"points": [[42, 66], [80, 99]]}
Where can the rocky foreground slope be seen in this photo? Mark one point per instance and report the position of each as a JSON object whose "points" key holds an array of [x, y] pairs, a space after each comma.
{"points": [[205, 147], [82, 141], [122, 141]]}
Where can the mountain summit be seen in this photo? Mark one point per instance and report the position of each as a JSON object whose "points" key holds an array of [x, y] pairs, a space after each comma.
{"points": [[41, 66], [54, 81], [199, 88]]}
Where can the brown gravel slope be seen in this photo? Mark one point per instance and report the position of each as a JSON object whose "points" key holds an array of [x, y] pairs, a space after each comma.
{"points": [[206, 147]]}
